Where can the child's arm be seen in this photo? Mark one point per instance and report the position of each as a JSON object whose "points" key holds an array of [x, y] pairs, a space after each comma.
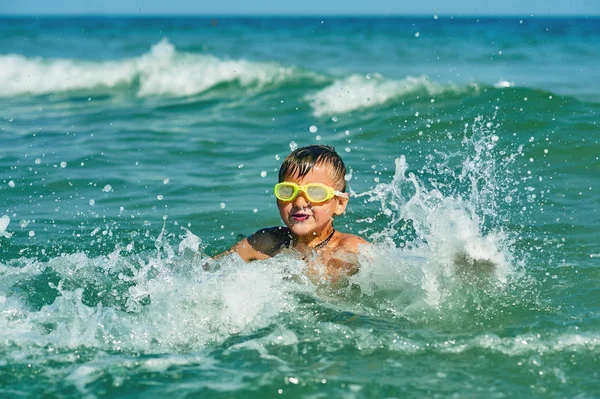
{"points": [[261, 245], [343, 262]]}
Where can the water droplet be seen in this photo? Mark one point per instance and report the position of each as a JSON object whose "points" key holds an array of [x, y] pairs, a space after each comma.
{"points": [[263, 173], [92, 202], [313, 129], [31, 233], [63, 164], [107, 188], [11, 183], [159, 197]]}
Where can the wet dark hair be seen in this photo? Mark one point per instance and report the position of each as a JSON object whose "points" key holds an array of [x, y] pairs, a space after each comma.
{"points": [[301, 161]]}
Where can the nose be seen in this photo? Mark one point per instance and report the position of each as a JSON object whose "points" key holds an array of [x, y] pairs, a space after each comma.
{"points": [[301, 201]]}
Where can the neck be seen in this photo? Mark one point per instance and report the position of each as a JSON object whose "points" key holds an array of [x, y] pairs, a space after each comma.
{"points": [[315, 241]]}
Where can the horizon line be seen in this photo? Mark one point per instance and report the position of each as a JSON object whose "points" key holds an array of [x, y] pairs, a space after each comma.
{"points": [[325, 15]]}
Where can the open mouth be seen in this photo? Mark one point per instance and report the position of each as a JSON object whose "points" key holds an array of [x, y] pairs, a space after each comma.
{"points": [[300, 217]]}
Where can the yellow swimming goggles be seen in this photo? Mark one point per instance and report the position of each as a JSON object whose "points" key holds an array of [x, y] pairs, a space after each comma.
{"points": [[314, 192]]}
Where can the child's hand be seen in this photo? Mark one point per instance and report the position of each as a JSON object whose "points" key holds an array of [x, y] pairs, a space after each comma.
{"points": [[332, 268]]}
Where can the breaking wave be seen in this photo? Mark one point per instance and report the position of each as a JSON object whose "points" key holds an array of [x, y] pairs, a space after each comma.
{"points": [[166, 72], [162, 72], [358, 91]]}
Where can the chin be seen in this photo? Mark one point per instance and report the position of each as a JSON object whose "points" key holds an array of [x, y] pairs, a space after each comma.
{"points": [[301, 229]]}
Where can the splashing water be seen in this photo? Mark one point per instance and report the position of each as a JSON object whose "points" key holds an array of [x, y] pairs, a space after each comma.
{"points": [[442, 222], [439, 248], [4, 221], [166, 300]]}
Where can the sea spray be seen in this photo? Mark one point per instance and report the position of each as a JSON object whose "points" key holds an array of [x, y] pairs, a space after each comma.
{"points": [[4, 222], [443, 226]]}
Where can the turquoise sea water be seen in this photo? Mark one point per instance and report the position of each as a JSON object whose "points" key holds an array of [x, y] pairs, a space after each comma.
{"points": [[131, 149]]}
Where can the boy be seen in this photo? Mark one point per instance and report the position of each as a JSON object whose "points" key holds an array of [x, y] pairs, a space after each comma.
{"points": [[310, 193]]}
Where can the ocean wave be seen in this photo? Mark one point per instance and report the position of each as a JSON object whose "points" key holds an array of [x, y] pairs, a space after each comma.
{"points": [[161, 72], [358, 91]]}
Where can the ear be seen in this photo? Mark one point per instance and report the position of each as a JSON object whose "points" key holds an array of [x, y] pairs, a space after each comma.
{"points": [[341, 204]]}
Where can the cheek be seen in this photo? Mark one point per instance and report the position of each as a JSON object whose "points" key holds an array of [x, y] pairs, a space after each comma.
{"points": [[324, 211], [284, 207]]}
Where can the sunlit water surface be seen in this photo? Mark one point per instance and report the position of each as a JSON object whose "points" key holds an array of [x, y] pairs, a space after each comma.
{"points": [[132, 150]]}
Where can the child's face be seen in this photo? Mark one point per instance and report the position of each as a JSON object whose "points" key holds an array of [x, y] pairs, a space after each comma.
{"points": [[304, 218]]}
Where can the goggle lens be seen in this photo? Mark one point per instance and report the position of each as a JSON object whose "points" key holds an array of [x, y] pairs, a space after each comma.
{"points": [[316, 193], [285, 192]]}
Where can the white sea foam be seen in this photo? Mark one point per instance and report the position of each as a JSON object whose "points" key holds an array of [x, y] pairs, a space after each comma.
{"points": [[165, 72], [502, 84], [154, 304], [525, 344], [162, 72], [21, 75], [357, 91], [535, 343]]}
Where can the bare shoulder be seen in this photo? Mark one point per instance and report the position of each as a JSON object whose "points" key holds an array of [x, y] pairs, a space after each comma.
{"points": [[342, 260], [351, 242], [263, 244], [270, 240]]}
